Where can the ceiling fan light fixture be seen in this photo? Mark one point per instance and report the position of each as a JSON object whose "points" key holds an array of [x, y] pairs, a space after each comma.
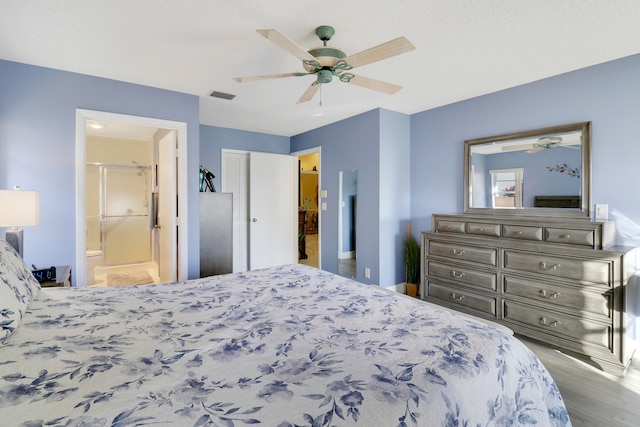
{"points": [[324, 76], [327, 56]]}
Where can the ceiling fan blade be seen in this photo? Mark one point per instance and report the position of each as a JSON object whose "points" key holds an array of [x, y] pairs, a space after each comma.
{"points": [[266, 77], [309, 93], [380, 52], [517, 147], [535, 150], [380, 86], [287, 44]]}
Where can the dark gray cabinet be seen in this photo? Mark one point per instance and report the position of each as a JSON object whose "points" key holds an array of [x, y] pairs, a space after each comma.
{"points": [[216, 233]]}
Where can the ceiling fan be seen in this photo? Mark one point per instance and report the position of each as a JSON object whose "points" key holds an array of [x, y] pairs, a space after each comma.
{"points": [[543, 143], [326, 62]]}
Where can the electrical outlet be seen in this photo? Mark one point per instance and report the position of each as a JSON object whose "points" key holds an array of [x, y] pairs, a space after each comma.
{"points": [[367, 273], [602, 212]]}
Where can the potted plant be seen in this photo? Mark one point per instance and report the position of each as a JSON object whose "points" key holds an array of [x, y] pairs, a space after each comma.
{"points": [[412, 264]]}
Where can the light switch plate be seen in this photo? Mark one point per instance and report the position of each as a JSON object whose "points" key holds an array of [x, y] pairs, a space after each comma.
{"points": [[602, 212], [323, 194]]}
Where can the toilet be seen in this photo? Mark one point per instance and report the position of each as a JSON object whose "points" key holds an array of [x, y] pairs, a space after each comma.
{"points": [[94, 259]]}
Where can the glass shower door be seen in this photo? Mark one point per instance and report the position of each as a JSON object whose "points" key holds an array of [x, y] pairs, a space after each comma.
{"points": [[125, 228]]}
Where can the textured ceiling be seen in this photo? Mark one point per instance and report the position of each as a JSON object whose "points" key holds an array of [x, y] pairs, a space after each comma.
{"points": [[464, 48]]}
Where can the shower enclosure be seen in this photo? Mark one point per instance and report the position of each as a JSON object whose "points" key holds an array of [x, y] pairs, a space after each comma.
{"points": [[118, 198]]}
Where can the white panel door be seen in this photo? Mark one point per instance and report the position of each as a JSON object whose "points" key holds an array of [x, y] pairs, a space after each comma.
{"points": [[273, 228], [167, 215], [235, 179]]}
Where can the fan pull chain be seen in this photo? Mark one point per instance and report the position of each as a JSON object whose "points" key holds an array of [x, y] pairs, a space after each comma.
{"points": [[320, 95]]}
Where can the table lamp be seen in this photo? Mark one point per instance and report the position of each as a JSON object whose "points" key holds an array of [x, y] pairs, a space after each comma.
{"points": [[18, 209]]}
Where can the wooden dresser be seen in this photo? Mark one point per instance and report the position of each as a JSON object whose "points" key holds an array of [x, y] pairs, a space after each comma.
{"points": [[560, 281]]}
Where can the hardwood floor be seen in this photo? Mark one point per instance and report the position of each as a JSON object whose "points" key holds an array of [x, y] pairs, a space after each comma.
{"points": [[592, 397], [311, 249]]}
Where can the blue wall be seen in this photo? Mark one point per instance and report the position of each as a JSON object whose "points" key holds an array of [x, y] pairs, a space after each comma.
{"points": [[394, 196], [607, 94], [376, 144], [351, 144], [214, 139], [37, 146]]}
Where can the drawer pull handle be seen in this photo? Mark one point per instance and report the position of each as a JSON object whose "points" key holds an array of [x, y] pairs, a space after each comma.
{"points": [[565, 236], [458, 252], [544, 294], [545, 322], [481, 228], [544, 266], [518, 233], [457, 275], [456, 296]]}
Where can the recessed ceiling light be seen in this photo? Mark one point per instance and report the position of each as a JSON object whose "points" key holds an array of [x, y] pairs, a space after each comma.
{"points": [[96, 125]]}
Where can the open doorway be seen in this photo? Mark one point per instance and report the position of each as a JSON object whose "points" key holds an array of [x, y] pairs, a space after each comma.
{"points": [[309, 207], [127, 181]]}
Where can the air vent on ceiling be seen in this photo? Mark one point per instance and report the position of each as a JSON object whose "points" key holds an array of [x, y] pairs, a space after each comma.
{"points": [[216, 94]]}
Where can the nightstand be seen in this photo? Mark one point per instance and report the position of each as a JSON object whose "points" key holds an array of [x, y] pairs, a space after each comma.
{"points": [[62, 279]]}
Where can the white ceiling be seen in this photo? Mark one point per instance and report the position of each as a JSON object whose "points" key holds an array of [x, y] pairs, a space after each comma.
{"points": [[464, 48]]}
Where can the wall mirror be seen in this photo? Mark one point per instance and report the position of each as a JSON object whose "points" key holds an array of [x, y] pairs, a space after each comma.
{"points": [[541, 172], [347, 214]]}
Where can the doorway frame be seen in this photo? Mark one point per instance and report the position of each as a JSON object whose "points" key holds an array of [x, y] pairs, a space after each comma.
{"points": [[321, 204], [82, 117]]}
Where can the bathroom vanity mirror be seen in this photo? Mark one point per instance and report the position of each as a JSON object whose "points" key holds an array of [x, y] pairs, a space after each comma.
{"points": [[347, 215], [541, 172]]}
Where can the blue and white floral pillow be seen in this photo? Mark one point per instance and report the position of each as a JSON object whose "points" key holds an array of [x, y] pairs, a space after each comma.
{"points": [[18, 287]]}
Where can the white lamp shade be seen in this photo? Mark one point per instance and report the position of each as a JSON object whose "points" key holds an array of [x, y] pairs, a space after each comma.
{"points": [[19, 208]]}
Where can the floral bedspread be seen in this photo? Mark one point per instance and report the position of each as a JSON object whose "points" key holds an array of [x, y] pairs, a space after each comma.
{"points": [[285, 346]]}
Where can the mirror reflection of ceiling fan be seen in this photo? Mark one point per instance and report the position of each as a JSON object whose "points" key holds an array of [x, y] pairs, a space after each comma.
{"points": [[543, 143], [326, 62]]}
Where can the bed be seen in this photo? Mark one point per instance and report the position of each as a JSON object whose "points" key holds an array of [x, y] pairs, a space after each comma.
{"points": [[284, 346]]}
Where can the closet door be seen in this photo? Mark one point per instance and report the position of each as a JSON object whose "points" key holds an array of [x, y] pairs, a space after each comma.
{"points": [[235, 179], [271, 181], [273, 226]]}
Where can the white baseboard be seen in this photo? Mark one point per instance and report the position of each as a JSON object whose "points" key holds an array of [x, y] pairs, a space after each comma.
{"points": [[347, 255], [399, 288]]}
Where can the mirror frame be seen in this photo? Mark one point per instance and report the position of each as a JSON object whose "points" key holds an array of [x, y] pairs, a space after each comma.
{"points": [[584, 212]]}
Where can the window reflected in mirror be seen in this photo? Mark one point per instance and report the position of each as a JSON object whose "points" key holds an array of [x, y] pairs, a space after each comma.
{"points": [[347, 216], [506, 185]]}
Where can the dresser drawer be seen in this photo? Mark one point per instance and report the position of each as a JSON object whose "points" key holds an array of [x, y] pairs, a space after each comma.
{"points": [[570, 237], [483, 229], [460, 274], [558, 295], [570, 268], [487, 256], [450, 226], [522, 232], [573, 327], [463, 298]]}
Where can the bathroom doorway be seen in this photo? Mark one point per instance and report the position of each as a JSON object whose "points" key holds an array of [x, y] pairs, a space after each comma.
{"points": [[126, 228]]}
